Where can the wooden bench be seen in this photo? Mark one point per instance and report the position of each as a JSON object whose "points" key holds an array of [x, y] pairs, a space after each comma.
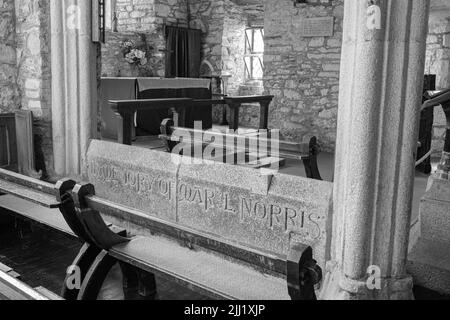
{"points": [[11, 288], [274, 152], [9, 271], [174, 252]]}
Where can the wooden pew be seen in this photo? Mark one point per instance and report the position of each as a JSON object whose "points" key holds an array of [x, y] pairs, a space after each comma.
{"points": [[275, 153], [9, 271], [11, 288], [169, 252]]}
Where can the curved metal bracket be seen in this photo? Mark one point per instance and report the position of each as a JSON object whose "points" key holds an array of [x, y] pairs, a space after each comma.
{"points": [[67, 208], [96, 275], [303, 273], [310, 163], [94, 225], [82, 262]]}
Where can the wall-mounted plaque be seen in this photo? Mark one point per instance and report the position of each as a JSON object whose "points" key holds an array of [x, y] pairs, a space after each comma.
{"points": [[317, 27]]}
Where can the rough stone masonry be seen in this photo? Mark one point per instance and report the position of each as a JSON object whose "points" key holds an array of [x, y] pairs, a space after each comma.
{"points": [[303, 72]]}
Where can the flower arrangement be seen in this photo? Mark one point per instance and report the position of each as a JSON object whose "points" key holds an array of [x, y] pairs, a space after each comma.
{"points": [[133, 54]]}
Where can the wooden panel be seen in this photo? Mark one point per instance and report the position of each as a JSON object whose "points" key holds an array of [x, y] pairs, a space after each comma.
{"points": [[25, 145], [47, 293], [40, 198], [8, 145], [4, 146]]}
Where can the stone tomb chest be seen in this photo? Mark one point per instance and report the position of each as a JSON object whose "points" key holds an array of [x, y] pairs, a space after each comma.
{"points": [[238, 205]]}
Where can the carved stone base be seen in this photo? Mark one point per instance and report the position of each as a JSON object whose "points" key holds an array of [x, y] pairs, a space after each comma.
{"points": [[337, 286]]}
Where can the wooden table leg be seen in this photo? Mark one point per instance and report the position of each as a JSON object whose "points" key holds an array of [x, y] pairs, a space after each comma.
{"points": [[264, 115], [147, 285], [179, 118], [125, 134], [234, 115], [224, 116], [446, 108]]}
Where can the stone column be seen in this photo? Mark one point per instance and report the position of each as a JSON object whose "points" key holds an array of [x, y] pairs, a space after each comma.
{"points": [[74, 84], [380, 96]]}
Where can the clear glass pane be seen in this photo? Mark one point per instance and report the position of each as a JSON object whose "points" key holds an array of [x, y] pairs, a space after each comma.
{"points": [[257, 68], [248, 62], [259, 41], [108, 14]]}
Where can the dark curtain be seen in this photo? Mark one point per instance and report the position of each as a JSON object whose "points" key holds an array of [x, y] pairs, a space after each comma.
{"points": [[426, 127], [183, 52]]}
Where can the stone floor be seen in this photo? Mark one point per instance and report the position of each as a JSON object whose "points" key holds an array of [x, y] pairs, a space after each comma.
{"points": [[326, 167], [41, 256]]}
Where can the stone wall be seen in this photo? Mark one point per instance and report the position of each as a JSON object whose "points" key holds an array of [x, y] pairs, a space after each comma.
{"points": [[255, 13], [302, 73], [233, 45], [8, 71], [146, 15], [438, 62], [208, 16], [25, 75], [134, 19], [33, 56], [438, 51], [223, 23], [34, 70], [114, 63]]}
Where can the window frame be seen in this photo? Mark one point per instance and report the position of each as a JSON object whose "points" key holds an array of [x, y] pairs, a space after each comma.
{"points": [[110, 10], [250, 54]]}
